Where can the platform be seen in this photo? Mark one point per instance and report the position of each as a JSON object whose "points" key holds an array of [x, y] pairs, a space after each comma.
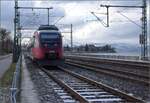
{"points": [[28, 93]]}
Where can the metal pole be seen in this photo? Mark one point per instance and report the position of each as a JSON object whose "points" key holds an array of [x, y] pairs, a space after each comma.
{"points": [[107, 16], [148, 31], [20, 51], [121, 6], [0, 13], [18, 33], [144, 31], [15, 39], [35, 8], [48, 15], [48, 8], [144, 46], [0, 28], [71, 38], [16, 45]]}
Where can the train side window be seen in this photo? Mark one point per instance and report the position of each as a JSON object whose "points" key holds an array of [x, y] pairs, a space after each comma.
{"points": [[33, 41]]}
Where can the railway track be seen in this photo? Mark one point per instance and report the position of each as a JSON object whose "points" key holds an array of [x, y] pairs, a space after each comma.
{"points": [[86, 90], [62, 93], [117, 73], [144, 65]]}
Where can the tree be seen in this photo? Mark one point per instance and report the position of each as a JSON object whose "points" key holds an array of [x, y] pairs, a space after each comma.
{"points": [[86, 47], [4, 36], [67, 48], [107, 48]]}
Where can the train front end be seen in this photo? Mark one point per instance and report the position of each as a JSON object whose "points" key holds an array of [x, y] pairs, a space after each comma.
{"points": [[49, 48]]}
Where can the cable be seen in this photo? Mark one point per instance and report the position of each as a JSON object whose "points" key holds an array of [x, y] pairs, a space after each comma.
{"points": [[58, 20], [101, 21], [69, 0], [129, 19]]}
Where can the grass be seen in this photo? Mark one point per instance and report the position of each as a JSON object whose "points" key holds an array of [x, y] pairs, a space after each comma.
{"points": [[6, 79]]}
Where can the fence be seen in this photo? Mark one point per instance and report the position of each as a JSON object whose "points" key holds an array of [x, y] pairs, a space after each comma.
{"points": [[14, 90], [107, 56], [7, 94], [4, 95], [121, 57]]}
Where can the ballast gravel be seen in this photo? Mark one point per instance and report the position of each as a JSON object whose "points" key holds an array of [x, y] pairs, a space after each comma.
{"points": [[133, 88], [43, 84]]}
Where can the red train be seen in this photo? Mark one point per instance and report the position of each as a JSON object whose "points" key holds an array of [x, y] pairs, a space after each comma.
{"points": [[46, 46]]}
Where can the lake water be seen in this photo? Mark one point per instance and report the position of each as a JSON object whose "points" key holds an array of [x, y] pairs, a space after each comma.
{"points": [[121, 54], [117, 54]]}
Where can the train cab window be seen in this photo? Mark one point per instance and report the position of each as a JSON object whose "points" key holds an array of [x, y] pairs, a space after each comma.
{"points": [[50, 38]]}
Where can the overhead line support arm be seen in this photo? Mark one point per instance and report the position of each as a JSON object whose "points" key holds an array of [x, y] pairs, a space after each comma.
{"points": [[35, 7], [121, 6]]}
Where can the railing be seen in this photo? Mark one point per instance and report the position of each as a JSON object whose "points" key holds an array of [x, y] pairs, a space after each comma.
{"points": [[15, 83], [107, 56], [121, 57], [4, 95]]}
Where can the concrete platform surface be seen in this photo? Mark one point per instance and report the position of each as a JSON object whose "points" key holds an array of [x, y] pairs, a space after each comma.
{"points": [[28, 93]]}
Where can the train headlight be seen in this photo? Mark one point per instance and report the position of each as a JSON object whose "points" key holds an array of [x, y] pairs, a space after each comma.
{"points": [[45, 45], [55, 44]]}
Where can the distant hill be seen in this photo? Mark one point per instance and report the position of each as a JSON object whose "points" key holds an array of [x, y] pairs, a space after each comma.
{"points": [[124, 47], [128, 48]]}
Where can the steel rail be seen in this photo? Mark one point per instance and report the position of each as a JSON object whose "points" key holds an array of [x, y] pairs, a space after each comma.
{"points": [[109, 69], [105, 87], [100, 60], [130, 62], [112, 74], [76, 95]]}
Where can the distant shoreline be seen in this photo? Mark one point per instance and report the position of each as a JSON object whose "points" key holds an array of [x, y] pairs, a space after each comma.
{"points": [[111, 53]]}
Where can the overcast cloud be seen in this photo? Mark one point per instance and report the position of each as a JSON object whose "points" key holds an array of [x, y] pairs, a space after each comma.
{"points": [[78, 14]]}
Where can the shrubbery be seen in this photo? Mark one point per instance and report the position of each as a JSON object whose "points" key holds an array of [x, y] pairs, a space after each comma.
{"points": [[6, 42]]}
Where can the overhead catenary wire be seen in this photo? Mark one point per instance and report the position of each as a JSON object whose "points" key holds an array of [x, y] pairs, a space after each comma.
{"points": [[58, 20], [119, 12], [101, 21], [69, 0], [129, 19]]}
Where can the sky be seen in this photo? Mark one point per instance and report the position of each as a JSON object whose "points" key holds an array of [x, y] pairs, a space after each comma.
{"points": [[86, 28]]}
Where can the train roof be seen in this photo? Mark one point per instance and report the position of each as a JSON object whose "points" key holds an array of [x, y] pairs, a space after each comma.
{"points": [[48, 27], [47, 31]]}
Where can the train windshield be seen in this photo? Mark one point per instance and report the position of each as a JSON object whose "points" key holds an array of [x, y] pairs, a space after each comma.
{"points": [[49, 36], [50, 39]]}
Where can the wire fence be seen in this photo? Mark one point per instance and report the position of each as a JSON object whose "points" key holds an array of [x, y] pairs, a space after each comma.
{"points": [[107, 56], [121, 57], [10, 94], [4, 91], [4, 95], [14, 90]]}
